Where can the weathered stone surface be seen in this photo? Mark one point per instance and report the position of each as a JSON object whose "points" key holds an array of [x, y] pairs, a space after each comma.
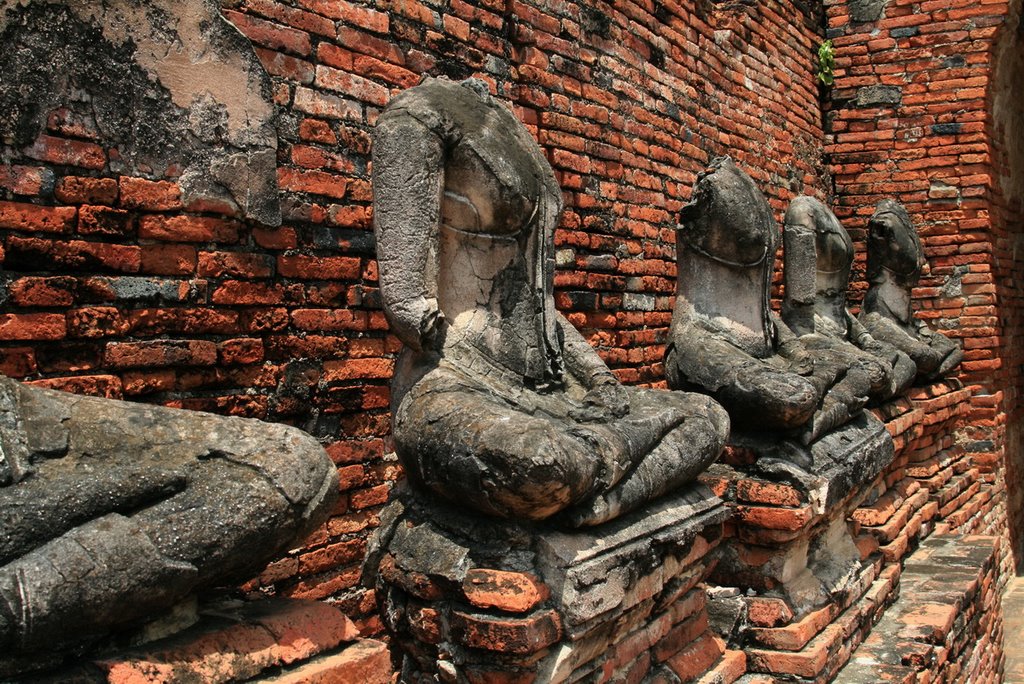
{"points": [[724, 338], [167, 83], [895, 261], [499, 403], [867, 10], [122, 510], [875, 95], [581, 601], [818, 257]]}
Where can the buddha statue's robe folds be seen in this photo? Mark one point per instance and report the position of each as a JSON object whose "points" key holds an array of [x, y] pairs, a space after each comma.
{"points": [[499, 404]]}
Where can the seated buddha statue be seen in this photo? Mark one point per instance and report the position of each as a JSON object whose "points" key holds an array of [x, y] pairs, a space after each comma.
{"points": [[498, 403], [895, 261], [113, 513], [817, 257], [726, 341]]}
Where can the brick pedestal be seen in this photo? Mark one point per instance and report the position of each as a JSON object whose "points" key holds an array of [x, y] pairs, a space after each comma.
{"points": [[790, 564], [471, 599]]}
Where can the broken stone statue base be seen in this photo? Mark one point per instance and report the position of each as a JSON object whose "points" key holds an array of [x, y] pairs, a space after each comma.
{"points": [[789, 551], [469, 598]]}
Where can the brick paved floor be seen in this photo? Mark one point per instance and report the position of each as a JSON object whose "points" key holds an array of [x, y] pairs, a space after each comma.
{"points": [[1013, 629]]}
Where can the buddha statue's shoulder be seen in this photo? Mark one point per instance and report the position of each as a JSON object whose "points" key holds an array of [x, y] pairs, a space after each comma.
{"points": [[445, 107]]}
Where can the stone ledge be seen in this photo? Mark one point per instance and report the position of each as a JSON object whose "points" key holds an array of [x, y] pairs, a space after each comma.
{"points": [[945, 624]]}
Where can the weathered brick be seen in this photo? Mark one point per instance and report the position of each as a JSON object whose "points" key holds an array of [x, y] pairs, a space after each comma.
{"points": [[33, 218], [139, 193]]}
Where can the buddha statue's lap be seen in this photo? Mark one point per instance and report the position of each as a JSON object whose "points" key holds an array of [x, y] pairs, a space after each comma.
{"points": [[499, 404], [111, 512], [725, 340]]}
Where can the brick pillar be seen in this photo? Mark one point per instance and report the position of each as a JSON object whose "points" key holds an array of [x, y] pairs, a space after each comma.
{"points": [[910, 117]]}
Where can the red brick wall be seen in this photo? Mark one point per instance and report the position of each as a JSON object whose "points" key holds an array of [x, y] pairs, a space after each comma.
{"points": [[112, 287], [911, 117]]}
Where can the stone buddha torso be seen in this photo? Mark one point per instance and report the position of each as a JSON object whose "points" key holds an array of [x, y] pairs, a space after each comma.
{"points": [[495, 247], [895, 263], [498, 403]]}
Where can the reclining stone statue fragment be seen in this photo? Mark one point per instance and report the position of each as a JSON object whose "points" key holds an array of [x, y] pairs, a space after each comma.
{"points": [[726, 341], [499, 404], [817, 257], [112, 512], [895, 261]]}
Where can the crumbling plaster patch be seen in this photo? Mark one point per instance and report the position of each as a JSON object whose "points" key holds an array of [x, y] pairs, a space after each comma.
{"points": [[170, 84]]}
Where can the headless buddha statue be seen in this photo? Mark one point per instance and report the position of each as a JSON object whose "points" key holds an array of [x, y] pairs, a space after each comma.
{"points": [[895, 262], [111, 513], [724, 338], [818, 255], [498, 402]]}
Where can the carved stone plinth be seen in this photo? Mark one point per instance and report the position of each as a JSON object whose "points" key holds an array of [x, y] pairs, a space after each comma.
{"points": [[468, 598], [789, 559]]}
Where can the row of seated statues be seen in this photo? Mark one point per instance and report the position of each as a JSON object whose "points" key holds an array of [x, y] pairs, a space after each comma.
{"points": [[111, 512], [498, 402]]}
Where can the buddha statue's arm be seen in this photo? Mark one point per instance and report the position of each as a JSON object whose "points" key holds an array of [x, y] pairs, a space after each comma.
{"points": [[581, 359], [606, 397], [408, 180]]}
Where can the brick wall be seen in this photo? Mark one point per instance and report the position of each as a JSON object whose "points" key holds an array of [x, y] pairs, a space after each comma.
{"points": [[911, 116], [117, 285]]}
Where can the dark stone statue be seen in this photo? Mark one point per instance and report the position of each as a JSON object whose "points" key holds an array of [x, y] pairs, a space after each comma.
{"points": [[113, 512], [818, 255], [895, 261], [499, 404], [724, 338]]}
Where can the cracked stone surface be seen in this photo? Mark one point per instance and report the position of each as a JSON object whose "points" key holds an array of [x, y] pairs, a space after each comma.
{"points": [[895, 262], [499, 403], [172, 85], [111, 512]]}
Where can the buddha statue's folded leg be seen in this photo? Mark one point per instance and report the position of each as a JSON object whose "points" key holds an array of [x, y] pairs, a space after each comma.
{"points": [[851, 385], [757, 394], [163, 503], [845, 354], [510, 459], [679, 456], [926, 359], [948, 350]]}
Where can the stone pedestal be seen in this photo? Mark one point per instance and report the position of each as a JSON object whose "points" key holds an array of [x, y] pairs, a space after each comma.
{"points": [[789, 563], [472, 599]]}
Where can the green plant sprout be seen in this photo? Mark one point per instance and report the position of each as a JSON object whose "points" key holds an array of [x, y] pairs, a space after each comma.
{"points": [[826, 63]]}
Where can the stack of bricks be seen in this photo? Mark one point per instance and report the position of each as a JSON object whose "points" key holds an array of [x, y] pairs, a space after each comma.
{"points": [[930, 479], [947, 624], [930, 486], [911, 115], [778, 546], [279, 640], [472, 600]]}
